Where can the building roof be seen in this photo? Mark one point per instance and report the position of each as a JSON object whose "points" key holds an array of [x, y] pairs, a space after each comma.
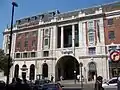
{"points": [[48, 16]]}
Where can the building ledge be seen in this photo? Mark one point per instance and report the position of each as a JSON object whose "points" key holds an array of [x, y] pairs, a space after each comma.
{"points": [[93, 56]]}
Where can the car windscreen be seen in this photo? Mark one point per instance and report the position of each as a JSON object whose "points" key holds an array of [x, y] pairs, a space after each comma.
{"points": [[113, 81]]}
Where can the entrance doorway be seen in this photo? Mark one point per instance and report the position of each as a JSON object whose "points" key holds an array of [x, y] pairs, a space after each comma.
{"points": [[65, 67], [45, 70], [92, 73]]}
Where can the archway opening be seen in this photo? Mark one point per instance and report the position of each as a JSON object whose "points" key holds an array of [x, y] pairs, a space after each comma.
{"points": [[32, 72], [16, 73], [24, 68], [45, 70], [65, 67], [92, 73]]}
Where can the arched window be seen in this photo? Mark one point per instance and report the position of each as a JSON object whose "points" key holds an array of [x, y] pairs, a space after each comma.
{"points": [[32, 72], [16, 73], [92, 73], [92, 66], [45, 70]]}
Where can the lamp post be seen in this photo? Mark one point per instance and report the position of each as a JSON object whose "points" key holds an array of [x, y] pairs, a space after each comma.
{"points": [[14, 4], [81, 65]]}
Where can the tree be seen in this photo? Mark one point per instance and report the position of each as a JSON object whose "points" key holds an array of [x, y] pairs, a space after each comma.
{"points": [[4, 62]]}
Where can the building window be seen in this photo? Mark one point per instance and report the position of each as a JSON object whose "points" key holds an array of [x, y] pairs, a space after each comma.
{"points": [[91, 50], [33, 54], [110, 21], [46, 32], [32, 72], [17, 55], [34, 33], [111, 35], [91, 37], [76, 35], [45, 70], [28, 54], [46, 41], [24, 55], [46, 53], [26, 43], [16, 72], [91, 34], [58, 37], [34, 43]]}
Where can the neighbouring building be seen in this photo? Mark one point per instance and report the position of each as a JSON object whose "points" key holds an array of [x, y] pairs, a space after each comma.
{"points": [[112, 34], [65, 44]]}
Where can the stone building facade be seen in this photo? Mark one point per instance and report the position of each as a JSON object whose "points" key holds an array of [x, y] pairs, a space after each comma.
{"points": [[62, 44]]}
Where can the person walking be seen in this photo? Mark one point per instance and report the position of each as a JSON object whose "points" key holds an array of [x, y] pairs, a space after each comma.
{"points": [[98, 83], [52, 78], [78, 78]]}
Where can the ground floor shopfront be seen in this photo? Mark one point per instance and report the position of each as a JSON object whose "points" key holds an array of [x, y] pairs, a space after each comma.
{"points": [[66, 66]]}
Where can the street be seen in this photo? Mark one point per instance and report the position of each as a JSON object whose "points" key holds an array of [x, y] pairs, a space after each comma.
{"points": [[89, 86], [85, 87]]}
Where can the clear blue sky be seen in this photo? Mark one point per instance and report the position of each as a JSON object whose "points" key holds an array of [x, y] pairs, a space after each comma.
{"points": [[34, 7]]}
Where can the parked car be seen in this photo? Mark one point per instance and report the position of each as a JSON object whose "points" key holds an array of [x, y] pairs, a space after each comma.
{"points": [[52, 86], [110, 83], [39, 84], [42, 81]]}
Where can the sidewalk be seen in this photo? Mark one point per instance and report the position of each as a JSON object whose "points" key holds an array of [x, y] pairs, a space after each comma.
{"points": [[73, 82]]}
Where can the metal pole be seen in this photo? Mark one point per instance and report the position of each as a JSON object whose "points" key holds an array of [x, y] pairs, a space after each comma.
{"points": [[81, 78], [13, 5]]}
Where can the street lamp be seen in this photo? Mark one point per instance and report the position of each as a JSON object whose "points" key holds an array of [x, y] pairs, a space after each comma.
{"points": [[14, 4], [81, 65]]}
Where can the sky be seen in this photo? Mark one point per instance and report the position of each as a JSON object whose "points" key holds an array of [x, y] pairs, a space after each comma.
{"points": [[34, 7]]}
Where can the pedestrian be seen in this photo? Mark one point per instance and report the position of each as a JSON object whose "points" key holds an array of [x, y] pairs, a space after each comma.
{"points": [[61, 78], [98, 83], [52, 78], [78, 78]]}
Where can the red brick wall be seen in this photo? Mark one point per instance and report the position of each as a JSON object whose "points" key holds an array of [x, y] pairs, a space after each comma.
{"points": [[22, 41], [114, 27]]}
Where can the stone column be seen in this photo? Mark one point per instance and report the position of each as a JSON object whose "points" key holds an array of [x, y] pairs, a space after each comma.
{"points": [[62, 37], [73, 38]]}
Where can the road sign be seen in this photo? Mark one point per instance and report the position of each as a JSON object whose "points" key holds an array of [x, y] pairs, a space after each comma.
{"points": [[115, 56]]}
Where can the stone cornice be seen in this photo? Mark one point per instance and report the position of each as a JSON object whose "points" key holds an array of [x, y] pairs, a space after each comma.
{"points": [[34, 59]]}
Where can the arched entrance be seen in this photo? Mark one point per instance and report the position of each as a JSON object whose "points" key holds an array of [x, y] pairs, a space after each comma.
{"points": [[45, 70], [65, 67], [32, 72], [92, 73], [24, 69], [16, 73]]}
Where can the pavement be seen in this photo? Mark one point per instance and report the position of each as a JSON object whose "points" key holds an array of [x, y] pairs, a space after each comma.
{"points": [[71, 85]]}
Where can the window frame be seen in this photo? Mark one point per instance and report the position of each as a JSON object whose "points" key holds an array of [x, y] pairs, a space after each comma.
{"points": [[110, 21], [111, 35], [92, 50]]}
